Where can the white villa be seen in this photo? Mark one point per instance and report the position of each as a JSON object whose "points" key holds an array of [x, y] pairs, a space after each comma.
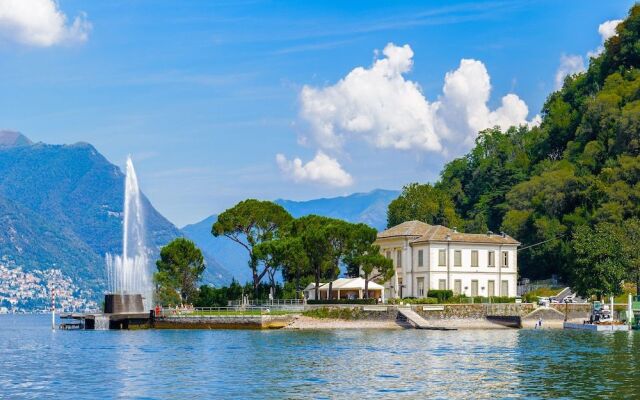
{"points": [[436, 257], [345, 288]]}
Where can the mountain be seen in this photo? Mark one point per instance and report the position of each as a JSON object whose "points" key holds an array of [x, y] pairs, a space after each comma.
{"points": [[61, 207], [369, 208], [13, 139]]}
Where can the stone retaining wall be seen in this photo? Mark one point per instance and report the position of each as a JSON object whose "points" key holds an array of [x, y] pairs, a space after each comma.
{"points": [[223, 322], [458, 311]]}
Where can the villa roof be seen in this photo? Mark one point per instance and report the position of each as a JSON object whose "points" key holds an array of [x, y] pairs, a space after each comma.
{"points": [[420, 232], [409, 228]]}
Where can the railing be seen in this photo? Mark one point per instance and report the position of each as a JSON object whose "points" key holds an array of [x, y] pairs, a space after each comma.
{"points": [[534, 285], [275, 302], [177, 312]]}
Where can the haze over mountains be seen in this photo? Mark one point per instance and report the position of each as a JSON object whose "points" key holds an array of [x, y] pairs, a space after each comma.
{"points": [[61, 207]]}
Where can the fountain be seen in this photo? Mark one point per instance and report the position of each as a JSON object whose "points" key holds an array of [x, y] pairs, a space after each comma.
{"points": [[128, 274], [130, 296]]}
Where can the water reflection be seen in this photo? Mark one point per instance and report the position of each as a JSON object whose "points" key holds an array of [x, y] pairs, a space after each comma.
{"points": [[35, 363]]}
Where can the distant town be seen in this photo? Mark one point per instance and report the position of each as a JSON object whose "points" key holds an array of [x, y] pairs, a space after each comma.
{"points": [[30, 292]]}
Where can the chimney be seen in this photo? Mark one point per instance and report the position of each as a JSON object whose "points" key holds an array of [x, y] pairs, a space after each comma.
{"points": [[448, 236], [489, 233], [504, 235], [455, 229]]}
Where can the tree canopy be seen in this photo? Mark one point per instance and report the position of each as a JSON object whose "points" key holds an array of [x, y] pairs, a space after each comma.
{"points": [[424, 203], [180, 267], [578, 169], [250, 223]]}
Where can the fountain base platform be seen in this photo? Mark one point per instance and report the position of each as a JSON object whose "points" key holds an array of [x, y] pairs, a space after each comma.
{"points": [[123, 303], [121, 311]]}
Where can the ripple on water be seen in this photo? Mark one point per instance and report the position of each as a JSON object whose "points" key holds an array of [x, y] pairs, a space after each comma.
{"points": [[34, 363]]}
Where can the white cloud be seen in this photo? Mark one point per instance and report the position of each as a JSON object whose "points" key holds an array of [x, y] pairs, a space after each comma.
{"points": [[569, 65], [379, 105], [322, 169], [573, 64], [40, 23], [607, 29]]}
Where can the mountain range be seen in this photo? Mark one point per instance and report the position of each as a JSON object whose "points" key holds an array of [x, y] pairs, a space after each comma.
{"points": [[61, 207]]}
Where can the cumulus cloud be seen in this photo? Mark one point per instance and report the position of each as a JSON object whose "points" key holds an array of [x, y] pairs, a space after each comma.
{"points": [[606, 30], [569, 65], [379, 105], [40, 23], [322, 169], [573, 64]]}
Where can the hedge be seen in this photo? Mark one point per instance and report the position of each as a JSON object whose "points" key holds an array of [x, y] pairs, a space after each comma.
{"points": [[414, 300], [441, 295], [343, 301]]}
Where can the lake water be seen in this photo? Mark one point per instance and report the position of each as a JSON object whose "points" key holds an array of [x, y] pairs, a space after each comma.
{"points": [[38, 363]]}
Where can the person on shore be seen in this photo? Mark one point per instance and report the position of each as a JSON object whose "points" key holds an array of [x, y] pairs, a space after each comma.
{"points": [[539, 323]]}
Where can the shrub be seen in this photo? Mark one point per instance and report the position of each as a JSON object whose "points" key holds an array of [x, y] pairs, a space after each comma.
{"points": [[441, 295], [414, 300]]}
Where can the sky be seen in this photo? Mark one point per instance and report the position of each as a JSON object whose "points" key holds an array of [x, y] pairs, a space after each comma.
{"points": [[218, 101]]}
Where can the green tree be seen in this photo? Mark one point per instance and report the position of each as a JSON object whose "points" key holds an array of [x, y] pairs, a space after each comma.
{"points": [[250, 223], [600, 261], [631, 249], [180, 267], [423, 203], [311, 231], [375, 267], [361, 239]]}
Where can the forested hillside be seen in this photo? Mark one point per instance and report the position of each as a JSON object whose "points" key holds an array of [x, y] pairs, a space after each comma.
{"points": [[579, 167]]}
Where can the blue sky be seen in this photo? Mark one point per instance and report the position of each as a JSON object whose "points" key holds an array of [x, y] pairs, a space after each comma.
{"points": [[206, 94]]}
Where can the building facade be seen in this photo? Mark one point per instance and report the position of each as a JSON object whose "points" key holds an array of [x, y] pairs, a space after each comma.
{"points": [[429, 257]]}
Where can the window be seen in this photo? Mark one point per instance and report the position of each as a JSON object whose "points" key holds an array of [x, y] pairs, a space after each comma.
{"points": [[474, 258], [420, 285], [491, 288], [474, 288], [420, 258], [442, 258], [505, 259], [388, 255], [491, 262], [505, 288], [457, 287], [399, 261], [442, 284], [457, 258]]}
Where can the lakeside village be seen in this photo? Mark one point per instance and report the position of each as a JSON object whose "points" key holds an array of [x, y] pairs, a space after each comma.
{"points": [[30, 292]]}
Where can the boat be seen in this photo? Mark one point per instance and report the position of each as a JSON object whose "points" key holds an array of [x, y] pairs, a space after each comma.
{"points": [[601, 320]]}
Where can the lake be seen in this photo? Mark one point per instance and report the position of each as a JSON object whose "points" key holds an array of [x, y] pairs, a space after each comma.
{"points": [[38, 363]]}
